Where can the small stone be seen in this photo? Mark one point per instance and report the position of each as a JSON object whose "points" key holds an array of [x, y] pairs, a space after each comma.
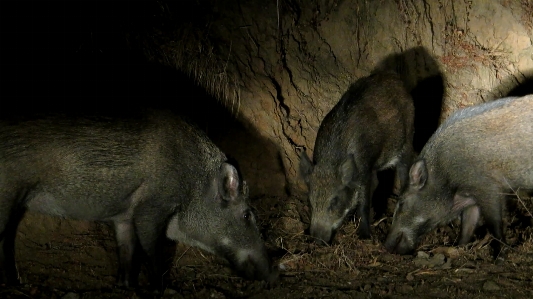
{"points": [[422, 255], [422, 259], [421, 262], [71, 295], [387, 258], [437, 260], [490, 285], [449, 252], [217, 295], [410, 276], [465, 270], [470, 265], [404, 289], [447, 265], [170, 292]]}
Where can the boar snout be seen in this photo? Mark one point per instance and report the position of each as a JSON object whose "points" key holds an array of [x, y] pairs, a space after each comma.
{"points": [[399, 243], [255, 266], [321, 234]]}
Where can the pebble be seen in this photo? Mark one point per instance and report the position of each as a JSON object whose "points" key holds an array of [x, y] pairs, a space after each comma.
{"points": [[490, 285], [71, 295]]}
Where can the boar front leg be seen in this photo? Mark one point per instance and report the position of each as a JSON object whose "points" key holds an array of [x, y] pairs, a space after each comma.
{"points": [[10, 218], [363, 208], [469, 220], [126, 241]]}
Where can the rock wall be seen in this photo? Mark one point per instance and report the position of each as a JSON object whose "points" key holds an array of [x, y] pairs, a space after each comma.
{"points": [[280, 66]]}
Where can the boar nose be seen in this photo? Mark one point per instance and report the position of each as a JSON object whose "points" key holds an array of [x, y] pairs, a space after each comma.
{"points": [[392, 243], [274, 275], [257, 265], [268, 274], [321, 234], [400, 244]]}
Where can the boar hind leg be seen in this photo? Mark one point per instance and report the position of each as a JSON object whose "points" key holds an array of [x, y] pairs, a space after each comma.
{"points": [[150, 233], [9, 221], [493, 215], [469, 220], [128, 267]]}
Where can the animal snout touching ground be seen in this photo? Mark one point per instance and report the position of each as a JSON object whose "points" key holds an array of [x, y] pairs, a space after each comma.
{"points": [[321, 234], [398, 244]]}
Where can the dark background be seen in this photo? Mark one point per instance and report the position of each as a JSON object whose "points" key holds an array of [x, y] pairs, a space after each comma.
{"points": [[86, 56]]}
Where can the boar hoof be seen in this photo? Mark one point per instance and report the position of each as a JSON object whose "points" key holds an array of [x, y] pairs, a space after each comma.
{"points": [[12, 282], [364, 234], [501, 256], [273, 278], [499, 260], [126, 285]]}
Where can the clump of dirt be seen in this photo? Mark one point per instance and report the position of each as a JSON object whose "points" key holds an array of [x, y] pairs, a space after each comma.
{"points": [[76, 259]]}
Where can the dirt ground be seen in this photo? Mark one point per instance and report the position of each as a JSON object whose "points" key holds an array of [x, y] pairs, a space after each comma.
{"points": [[78, 261]]}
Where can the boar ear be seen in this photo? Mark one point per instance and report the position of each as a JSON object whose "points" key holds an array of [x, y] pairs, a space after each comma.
{"points": [[347, 171], [418, 174], [229, 178], [245, 190], [461, 202], [306, 166]]}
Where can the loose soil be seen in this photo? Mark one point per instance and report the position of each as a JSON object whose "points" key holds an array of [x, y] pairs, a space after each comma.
{"points": [[76, 259]]}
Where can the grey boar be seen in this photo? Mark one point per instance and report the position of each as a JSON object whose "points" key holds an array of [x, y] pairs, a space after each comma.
{"points": [[475, 157], [369, 129], [151, 174]]}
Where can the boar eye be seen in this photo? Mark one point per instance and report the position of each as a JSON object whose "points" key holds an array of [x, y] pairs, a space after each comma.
{"points": [[333, 203], [247, 215], [400, 205]]}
